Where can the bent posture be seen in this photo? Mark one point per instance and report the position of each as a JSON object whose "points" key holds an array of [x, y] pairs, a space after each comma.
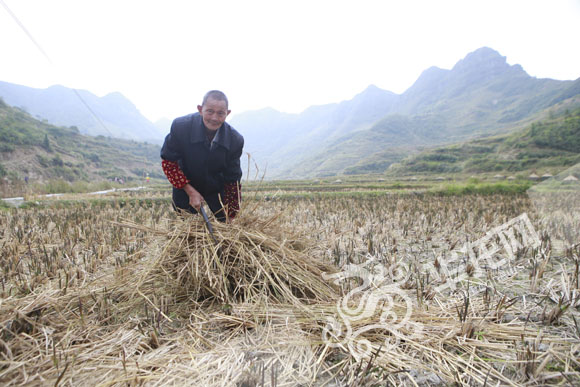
{"points": [[201, 159]]}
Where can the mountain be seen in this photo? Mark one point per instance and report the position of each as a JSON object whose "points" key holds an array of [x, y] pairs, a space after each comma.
{"points": [[481, 95], [549, 145], [277, 139], [163, 125], [482, 85], [112, 115], [34, 148]]}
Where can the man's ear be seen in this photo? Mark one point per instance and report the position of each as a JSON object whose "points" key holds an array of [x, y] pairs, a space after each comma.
{"points": [[199, 107], [229, 111]]}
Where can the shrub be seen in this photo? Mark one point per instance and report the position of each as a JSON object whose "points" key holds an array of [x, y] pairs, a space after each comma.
{"points": [[43, 161], [483, 188], [5, 148], [57, 161], [57, 186], [80, 186]]}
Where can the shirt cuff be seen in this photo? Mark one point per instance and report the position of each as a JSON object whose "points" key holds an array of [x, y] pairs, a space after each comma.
{"points": [[174, 174], [232, 199]]}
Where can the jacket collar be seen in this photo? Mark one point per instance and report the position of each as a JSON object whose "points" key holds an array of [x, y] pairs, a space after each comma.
{"points": [[222, 137]]}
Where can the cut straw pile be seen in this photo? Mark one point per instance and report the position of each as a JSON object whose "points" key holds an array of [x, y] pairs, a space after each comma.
{"points": [[242, 262], [249, 308]]}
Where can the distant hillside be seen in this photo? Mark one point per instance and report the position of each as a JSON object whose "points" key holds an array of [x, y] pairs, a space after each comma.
{"points": [[280, 139], [481, 95], [163, 125], [29, 147], [112, 115], [548, 145]]}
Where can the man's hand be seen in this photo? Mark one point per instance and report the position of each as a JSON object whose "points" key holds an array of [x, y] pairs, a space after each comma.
{"points": [[195, 198]]}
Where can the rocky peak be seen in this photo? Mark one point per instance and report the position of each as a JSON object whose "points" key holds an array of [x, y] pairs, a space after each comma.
{"points": [[483, 60]]}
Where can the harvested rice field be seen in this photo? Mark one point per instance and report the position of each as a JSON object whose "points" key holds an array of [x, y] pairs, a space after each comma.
{"points": [[302, 289]]}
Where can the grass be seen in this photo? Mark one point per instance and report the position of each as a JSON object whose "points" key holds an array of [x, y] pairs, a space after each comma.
{"points": [[481, 188]]}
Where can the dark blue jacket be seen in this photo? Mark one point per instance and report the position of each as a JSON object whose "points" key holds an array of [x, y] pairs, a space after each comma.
{"points": [[208, 166]]}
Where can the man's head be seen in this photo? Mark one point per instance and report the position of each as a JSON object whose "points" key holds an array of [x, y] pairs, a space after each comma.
{"points": [[214, 109]]}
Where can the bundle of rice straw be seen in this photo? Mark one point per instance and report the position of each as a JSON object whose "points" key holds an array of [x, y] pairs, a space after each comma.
{"points": [[244, 261]]}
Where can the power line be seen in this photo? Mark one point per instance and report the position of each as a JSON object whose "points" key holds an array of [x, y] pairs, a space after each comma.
{"points": [[25, 31], [39, 47]]}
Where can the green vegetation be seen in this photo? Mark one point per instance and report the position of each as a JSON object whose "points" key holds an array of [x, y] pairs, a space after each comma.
{"points": [[63, 186], [561, 133], [482, 188], [18, 128], [551, 144], [356, 187], [35, 148]]}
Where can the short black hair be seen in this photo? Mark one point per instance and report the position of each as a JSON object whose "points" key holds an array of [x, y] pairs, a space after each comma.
{"points": [[217, 95]]}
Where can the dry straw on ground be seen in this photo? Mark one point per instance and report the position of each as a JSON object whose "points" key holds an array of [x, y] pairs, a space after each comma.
{"points": [[250, 309]]}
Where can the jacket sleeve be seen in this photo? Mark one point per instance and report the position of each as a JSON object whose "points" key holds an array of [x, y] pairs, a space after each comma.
{"points": [[233, 171], [170, 156], [171, 147]]}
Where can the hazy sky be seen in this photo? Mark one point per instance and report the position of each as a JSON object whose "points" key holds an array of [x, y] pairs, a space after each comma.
{"points": [[164, 55]]}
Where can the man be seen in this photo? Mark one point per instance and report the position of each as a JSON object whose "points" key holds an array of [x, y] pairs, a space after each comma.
{"points": [[201, 159]]}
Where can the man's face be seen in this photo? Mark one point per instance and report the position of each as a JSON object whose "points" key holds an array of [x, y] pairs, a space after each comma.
{"points": [[214, 113]]}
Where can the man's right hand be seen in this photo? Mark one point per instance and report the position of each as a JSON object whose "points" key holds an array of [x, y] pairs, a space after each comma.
{"points": [[195, 198]]}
